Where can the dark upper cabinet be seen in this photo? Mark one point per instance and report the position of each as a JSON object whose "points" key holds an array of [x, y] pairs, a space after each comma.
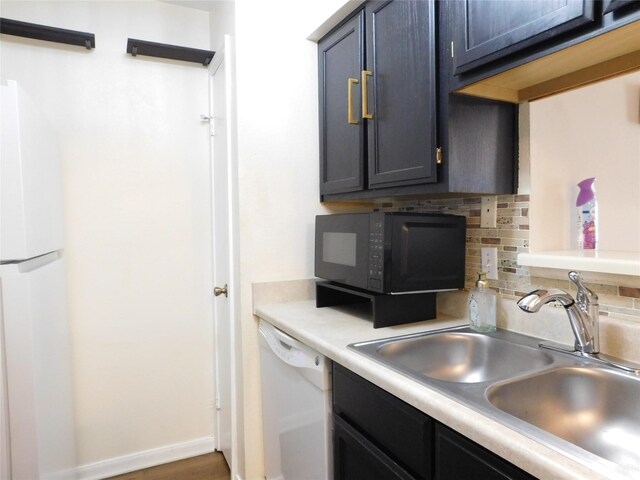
{"points": [[387, 77], [394, 83], [377, 117], [401, 92], [520, 51], [490, 30], [479, 137], [341, 61]]}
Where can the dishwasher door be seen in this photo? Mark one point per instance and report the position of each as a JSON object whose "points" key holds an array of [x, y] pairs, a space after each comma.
{"points": [[296, 408]]}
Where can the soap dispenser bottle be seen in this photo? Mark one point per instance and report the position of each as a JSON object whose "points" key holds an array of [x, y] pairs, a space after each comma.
{"points": [[482, 306]]}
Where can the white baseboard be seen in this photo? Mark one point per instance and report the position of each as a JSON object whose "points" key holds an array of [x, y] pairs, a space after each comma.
{"points": [[145, 459]]}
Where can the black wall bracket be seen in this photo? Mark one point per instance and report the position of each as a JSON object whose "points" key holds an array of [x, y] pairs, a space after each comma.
{"points": [[49, 34], [173, 52], [387, 310]]}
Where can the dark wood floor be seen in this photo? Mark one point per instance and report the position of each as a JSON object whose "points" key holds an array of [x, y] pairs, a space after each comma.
{"points": [[211, 466]]}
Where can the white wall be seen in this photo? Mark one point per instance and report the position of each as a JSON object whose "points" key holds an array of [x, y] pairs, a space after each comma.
{"points": [[222, 21], [592, 131], [137, 217], [278, 166]]}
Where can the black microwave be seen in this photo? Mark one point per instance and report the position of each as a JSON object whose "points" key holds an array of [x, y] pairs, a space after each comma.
{"points": [[391, 252]]}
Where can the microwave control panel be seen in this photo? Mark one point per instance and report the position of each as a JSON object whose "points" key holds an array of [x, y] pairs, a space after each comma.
{"points": [[376, 251]]}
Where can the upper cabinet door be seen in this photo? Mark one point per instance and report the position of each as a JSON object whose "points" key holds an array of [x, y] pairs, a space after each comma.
{"points": [[400, 89], [486, 30], [340, 63]]}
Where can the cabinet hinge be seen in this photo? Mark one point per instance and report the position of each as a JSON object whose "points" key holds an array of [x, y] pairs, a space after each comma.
{"points": [[452, 55], [439, 155], [218, 406]]}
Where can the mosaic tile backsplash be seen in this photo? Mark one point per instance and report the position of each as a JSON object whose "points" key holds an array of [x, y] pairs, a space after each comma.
{"points": [[510, 237]]}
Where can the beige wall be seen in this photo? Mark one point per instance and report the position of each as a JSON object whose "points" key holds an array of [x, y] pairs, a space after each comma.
{"points": [[136, 191], [593, 131], [278, 160], [278, 167]]}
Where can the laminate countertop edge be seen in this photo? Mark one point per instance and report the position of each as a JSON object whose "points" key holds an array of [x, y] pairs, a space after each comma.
{"points": [[329, 330]]}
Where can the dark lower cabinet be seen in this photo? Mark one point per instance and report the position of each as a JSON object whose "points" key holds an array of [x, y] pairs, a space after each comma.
{"points": [[404, 433], [609, 6], [378, 436], [457, 457], [356, 458]]}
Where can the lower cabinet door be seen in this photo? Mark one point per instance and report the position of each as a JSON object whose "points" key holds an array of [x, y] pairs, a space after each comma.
{"points": [[457, 457], [355, 458]]}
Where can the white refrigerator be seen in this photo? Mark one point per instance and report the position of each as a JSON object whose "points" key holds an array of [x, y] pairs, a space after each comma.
{"points": [[36, 402]]}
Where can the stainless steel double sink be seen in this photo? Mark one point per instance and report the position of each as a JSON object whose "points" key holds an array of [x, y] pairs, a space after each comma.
{"points": [[581, 408]]}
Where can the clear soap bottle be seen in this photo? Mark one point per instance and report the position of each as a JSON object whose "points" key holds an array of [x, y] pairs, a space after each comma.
{"points": [[482, 306]]}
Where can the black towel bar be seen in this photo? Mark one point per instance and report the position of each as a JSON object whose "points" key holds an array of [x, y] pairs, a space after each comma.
{"points": [[47, 33], [173, 52]]}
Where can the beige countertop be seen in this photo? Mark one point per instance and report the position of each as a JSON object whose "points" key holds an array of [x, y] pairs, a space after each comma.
{"points": [[329, 330]]}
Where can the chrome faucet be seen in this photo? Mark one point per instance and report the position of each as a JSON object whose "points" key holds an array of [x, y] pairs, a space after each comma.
{"points": [[583, 312]]}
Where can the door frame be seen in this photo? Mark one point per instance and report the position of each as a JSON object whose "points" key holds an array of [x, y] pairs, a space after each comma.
{"points": [[225, 54]]}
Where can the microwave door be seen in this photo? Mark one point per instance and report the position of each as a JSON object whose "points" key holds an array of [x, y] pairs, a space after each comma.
{"points": [[342, 249], [428, 253]]}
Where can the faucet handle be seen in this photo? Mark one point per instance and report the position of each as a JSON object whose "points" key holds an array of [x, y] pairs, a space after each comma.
{"points": [[585, 297]]}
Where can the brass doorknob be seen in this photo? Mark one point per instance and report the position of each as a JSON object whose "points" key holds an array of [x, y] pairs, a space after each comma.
{"points": [[217, 291]]}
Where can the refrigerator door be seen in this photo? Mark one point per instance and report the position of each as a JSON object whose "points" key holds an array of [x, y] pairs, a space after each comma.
{"points": [[5, 453], [38, 369], [31, 222]]}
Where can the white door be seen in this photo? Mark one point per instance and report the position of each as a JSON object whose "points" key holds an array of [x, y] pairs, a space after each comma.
{"points": [[223, 181]]}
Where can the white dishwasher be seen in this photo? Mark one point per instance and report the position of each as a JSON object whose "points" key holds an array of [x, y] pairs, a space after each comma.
{"points": [[296, 408]]}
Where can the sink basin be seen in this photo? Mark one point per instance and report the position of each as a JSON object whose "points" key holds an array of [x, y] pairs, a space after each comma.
{"points": [[456, 356], [573, 404], [593, 408]]}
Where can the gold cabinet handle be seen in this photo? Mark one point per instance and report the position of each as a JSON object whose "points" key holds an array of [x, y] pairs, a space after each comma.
{"points": [[365, 94], [351, 82], [217, 291]]}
